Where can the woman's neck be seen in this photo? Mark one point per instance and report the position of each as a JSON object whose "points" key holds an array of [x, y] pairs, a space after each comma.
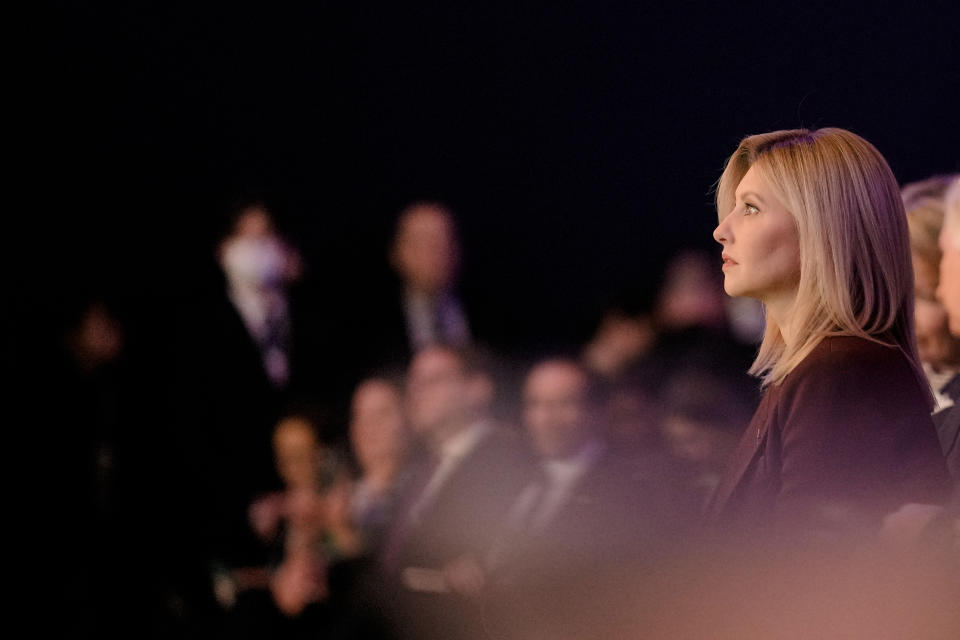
{"points": [[780, 307]]}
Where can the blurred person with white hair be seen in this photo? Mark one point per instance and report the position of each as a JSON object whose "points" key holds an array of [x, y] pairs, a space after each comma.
{"points": [[948, 292], [939, 350]]}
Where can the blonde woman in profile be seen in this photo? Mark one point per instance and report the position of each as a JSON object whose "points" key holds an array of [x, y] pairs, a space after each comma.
{"points": [[812, 224]]}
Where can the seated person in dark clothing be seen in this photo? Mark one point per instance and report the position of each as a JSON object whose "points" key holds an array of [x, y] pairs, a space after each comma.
{"points": [[472, 472], [939, 351], [420, 305], [589, 509], [381, 443]]}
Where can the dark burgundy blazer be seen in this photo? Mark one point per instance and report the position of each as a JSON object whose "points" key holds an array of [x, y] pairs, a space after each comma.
{"points": [[845, 439]]}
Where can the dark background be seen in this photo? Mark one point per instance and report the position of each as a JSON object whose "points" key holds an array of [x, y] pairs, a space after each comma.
{"points": [[577, 141]]}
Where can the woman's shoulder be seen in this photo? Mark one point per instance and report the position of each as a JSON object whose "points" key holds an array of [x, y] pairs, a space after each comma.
{"points": [[848, 359], [855, 375]]}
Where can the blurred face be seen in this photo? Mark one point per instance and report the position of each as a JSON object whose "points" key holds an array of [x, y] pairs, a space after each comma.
{"points": [[297, 453], [761, 247], [697, 442], [255, 221], [426, 253], [437, 391], [934, 342], [555, 409], [255, 256], [690, 296], [377, 430], [948, 292]]}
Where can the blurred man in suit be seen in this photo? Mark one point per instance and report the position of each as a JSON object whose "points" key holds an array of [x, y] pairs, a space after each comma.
{"points": [[422, 306], [590, 510], [472, 472]]}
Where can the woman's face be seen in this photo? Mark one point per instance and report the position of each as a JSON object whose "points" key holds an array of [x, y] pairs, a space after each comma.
{"points": [[761, 246]]}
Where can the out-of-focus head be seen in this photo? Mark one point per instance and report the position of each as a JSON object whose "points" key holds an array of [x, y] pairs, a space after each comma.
{"points": [[558, 412], [447, 389], [925, 220], [856, 274], [97, 338], [297, 450], [934, 187], [924, 201], [948, 290], [426, 252], [378, 433], [704, 416], [253, 254], [691, 294]]}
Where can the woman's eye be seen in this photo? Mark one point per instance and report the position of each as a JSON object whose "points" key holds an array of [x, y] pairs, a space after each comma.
{"points": [[749, 208]]}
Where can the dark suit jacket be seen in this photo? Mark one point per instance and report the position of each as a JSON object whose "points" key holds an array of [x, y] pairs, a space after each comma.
{"points": [[462, 519], [846, 438], [622, 505], [463, 515], [381, 327], [626, 510], [948, 428], [223, 409]]}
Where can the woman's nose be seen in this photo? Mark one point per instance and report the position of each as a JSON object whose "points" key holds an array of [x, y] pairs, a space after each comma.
{"points": [[721, 232]]}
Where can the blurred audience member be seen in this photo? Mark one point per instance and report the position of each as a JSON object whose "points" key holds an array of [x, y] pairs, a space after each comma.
{"points": [[933, 530], [635, 413], [259, 265], [703, 419], [619, 341], [307, 531], [423, 307], [588, 510], [948, 292], [686, 331], [692, 320], [85, 394], [234, 360], [381, 445], [939, 351], [426, 256], [472, 472]]}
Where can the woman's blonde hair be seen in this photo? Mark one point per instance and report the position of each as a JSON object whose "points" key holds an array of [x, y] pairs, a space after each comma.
{"points": [[856, 274]]}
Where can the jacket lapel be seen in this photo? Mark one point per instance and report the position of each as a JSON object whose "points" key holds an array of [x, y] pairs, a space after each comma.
{"points": [[751, 445]]}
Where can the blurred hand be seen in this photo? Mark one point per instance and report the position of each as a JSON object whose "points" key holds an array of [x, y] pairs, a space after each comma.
{"points": [[305, 509], [903, 527], [619, 341], [264, 515], [300, 580], [464, 576]]}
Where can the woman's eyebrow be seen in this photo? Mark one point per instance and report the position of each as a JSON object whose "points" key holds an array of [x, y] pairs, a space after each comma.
{"points": [[751, 194]]}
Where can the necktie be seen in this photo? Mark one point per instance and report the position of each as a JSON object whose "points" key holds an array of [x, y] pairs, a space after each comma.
{"points": [[403, 524], [520, 521], [273, 346]]}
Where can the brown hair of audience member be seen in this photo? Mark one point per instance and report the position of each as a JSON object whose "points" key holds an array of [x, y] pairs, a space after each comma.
{"points": [[297, 449]]}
